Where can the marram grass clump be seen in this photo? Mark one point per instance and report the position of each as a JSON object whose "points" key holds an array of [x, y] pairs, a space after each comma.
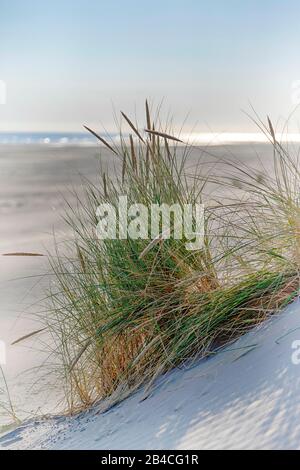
{"points": [[125, 311]]}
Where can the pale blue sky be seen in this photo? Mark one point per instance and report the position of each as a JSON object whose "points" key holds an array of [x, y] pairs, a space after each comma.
{"points": [[65, 62]]}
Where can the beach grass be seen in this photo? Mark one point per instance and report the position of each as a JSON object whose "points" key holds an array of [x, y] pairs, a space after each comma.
{"points": [[7, 407], [124, 311]]}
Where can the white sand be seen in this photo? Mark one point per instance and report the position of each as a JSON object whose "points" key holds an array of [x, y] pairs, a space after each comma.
{"points": [[246, 397]]}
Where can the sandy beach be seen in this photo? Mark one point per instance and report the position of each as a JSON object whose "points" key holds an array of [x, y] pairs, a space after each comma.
{"points": [[34, 182], [243, 398]]}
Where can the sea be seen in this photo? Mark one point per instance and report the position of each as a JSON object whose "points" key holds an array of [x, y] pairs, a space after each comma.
{"points": [[48, 138]]}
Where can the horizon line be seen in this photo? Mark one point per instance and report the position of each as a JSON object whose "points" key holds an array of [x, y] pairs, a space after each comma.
{"points": [[208, 138]]}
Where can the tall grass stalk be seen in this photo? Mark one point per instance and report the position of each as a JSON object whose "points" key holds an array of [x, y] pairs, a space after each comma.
{"points": [[7, 406]]}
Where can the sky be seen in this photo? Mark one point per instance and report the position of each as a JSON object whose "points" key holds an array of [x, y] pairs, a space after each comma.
{"points": [[70, 62]]}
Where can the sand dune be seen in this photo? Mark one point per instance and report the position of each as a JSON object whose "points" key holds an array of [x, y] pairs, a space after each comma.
{"points": [[246, 397]]}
